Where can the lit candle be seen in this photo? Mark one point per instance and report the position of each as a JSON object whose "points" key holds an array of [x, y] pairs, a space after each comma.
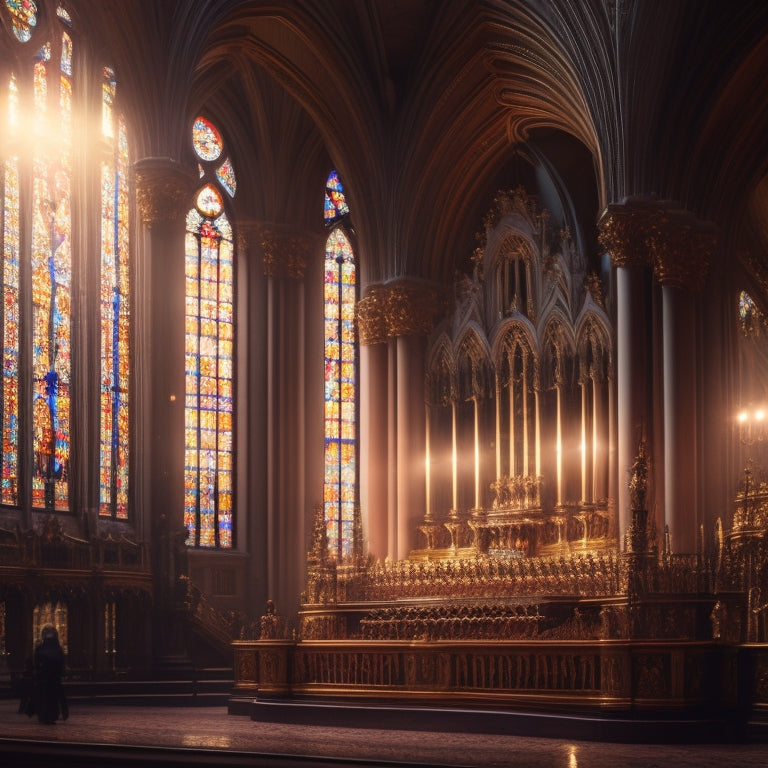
{"points": [[477, 454], [428, 514], [454, 462]]}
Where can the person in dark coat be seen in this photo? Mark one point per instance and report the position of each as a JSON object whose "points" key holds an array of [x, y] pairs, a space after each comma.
{"points": [[50, 702]]}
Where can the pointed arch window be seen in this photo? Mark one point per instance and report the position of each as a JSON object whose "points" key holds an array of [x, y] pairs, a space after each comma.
{"points": [[37, 260], [115, 308], [340, 477], [40, 251], [51, 269], [209, 345]]}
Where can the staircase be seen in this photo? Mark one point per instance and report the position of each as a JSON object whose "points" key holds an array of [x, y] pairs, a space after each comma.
{"points": [[208, 687]]}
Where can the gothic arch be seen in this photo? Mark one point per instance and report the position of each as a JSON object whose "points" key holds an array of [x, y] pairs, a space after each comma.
{"points": [[441, 373], [558, 348], [593, 345], [473, 364]]}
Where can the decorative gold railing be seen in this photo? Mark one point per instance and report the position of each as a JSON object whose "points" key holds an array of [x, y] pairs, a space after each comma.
{"points": [[604, 674], [51, 547]]}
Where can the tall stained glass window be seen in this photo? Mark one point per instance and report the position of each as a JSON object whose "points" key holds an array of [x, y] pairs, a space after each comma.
{"points": [[340, 480], [51, 272], [209, 466], [46, 128], [115, 315], [9, 490]]}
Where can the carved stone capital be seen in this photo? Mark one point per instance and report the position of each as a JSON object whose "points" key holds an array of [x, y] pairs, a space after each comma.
{"points": [[411, 309], [164, 189], [672, 241], [285, 253], [623, 232], [682, 250], [401, 308], [370, 315]]}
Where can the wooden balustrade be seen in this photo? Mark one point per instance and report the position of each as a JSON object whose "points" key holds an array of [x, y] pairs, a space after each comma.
{"points": [[612, 674]]}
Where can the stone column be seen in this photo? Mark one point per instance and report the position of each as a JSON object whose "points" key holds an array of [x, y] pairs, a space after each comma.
{"points": [[252, 454], [585, 447], [497, 425], [559, 441], [411, 308], [285, 254], [681, 253], [394, 320], [372, 337], [623, 232], [600, 438], [164, 195]]}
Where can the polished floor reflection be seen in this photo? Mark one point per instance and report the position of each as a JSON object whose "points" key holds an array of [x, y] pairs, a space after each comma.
{"points": [[201, 731]]}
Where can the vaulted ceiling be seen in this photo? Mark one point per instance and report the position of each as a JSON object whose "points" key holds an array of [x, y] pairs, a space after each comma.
{"points": [[428, 107]]}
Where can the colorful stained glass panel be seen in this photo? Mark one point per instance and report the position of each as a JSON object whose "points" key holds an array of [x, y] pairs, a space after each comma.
{"points": [[209, 201], [9, 489], [23, 18], [339, 494], [206, 140], [208, 478], [335, 206], [115, 311], [226, 176], [50, 270]]}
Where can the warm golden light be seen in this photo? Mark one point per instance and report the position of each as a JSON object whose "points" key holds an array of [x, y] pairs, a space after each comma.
{"points": [[743, 416]]}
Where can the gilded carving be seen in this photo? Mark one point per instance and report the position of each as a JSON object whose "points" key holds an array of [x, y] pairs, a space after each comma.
{"points": [[613, 675], [652, 675], [163, 190], [272, 667], [623, 231], [682, 251], [640, 234], [269, 250], [246, 666], [370, 316], [594, 286], [515, 201], [396, 309], [638, 483], [297, 262], [284, 254]]}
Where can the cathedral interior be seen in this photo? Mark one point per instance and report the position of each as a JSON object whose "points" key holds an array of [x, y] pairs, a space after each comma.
{"points": [[404, 350]]}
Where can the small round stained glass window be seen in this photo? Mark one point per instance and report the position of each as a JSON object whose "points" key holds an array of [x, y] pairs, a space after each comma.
{"points": [[209, 202], [23, 18], [206, 140]]}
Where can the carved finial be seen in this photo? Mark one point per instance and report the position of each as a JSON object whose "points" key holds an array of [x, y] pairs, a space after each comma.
{"points": [[638, 483]]}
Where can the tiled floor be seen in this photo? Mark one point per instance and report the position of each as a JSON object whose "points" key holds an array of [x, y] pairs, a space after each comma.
{"points": [[212, 731]]}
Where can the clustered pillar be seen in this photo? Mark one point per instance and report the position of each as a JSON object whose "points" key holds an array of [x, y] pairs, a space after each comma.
{"points": [[648, 240], [393, 322]]}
